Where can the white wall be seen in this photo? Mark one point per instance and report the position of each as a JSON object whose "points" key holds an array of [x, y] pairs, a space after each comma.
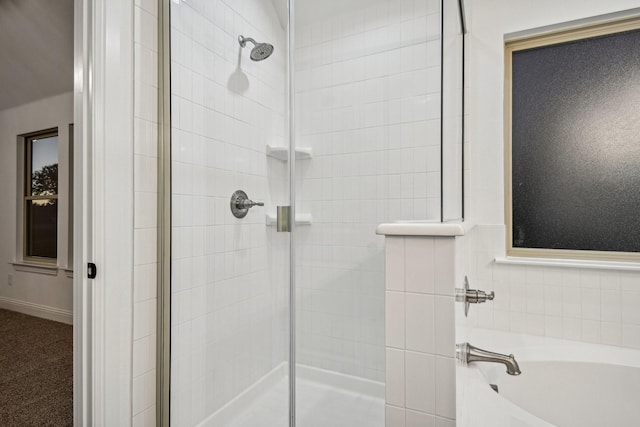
{"points": [[47, 293], [368, 104], [594, 305], [489, 21]]}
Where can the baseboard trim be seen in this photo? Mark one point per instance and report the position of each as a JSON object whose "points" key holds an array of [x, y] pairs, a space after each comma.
{"points": [[37, 310]]}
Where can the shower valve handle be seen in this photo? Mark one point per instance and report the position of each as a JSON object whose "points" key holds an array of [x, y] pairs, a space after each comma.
{"points": [[249, 204], [472, 296], [240, 204], [476, 296]]}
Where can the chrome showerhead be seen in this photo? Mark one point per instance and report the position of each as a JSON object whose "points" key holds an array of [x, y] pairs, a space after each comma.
{"points": [[260, 51]]}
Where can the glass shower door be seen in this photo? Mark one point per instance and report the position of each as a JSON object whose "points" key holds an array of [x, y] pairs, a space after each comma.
{"points": [[367, 86], [229, 265], [367, 125]]}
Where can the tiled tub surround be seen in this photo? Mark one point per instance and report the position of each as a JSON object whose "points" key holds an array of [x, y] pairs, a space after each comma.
{"points": [[367, 103], [421, 273], [595, 305], [583, 304]]}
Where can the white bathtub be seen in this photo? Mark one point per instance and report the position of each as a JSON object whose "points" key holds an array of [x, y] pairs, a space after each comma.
{"points": [[563, 383]]}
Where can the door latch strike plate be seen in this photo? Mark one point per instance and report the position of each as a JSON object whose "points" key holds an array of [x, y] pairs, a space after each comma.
{"points": [[92, 270]]}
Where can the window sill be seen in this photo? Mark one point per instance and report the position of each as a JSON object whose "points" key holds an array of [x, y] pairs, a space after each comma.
{"points": [[68, 272], [569, 263], [38, 268]]}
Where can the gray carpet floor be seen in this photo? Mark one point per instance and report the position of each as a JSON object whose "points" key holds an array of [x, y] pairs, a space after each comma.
{"points": [[36, 371]]}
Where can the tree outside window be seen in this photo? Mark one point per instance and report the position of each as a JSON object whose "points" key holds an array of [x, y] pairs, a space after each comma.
{"points": [[41, 197]]}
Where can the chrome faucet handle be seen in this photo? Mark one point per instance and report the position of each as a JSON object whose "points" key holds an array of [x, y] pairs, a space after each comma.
{"points": [[240, 204], [472, 296]]}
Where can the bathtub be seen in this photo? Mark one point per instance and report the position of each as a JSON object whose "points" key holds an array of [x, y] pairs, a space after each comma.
{"points": [[563, 383]]}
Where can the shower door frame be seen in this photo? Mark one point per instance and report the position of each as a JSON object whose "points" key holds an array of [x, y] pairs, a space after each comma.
{"points": [[292, 216], [163, 318]]}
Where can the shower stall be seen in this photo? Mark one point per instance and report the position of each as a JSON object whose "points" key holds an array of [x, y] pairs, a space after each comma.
{"points": [[291, 130]]}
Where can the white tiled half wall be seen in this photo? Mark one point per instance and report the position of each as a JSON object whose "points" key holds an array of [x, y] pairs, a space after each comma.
{"points": [[368, 105], [145, 218], [581, 304], [420, 331], [229, 276]]}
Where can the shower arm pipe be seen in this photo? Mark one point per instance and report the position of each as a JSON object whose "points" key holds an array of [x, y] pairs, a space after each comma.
{"points": [[243, 41]]}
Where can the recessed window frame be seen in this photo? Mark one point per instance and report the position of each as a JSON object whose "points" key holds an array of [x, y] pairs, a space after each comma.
{"points": [[27, 197], [547, 39]]}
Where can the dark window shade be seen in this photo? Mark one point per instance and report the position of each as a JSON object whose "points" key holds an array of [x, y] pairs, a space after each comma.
{"points": [[576, 145], [42, 228]]}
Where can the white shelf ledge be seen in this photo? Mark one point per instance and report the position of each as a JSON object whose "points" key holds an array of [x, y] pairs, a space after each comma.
{"points": [[570, 263], [423, 228], [282, 153], [301, 219]]}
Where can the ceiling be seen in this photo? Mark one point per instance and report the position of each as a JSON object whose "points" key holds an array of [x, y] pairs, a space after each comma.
{"points": [[36, 50]]}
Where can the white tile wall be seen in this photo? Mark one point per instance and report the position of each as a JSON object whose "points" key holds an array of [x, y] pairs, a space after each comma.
{"points": [[368, 104], [591, 305], [420, 335], [145, 216], [229, 276]]}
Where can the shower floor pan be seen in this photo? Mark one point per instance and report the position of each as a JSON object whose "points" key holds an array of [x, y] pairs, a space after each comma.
{"points": [[318, 405]]}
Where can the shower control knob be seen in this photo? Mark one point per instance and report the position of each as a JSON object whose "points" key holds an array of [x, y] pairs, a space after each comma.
{"points": [[472, 296], [476, 296], [249, 204], [240, 204]]}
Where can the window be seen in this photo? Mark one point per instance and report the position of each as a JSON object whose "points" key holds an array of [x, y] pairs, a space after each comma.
{"points": [[572, 147], [41, 197]]}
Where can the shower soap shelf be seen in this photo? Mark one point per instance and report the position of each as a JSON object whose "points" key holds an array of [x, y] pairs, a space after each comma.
{"points": [[301, 219], [282, 153]]}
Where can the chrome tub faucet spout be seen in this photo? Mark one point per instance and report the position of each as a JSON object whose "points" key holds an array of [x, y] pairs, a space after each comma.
{"points": [[467, 353]]}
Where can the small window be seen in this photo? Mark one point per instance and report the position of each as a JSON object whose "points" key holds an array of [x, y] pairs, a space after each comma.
{"points": [[572, 147], [41, 197]]}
